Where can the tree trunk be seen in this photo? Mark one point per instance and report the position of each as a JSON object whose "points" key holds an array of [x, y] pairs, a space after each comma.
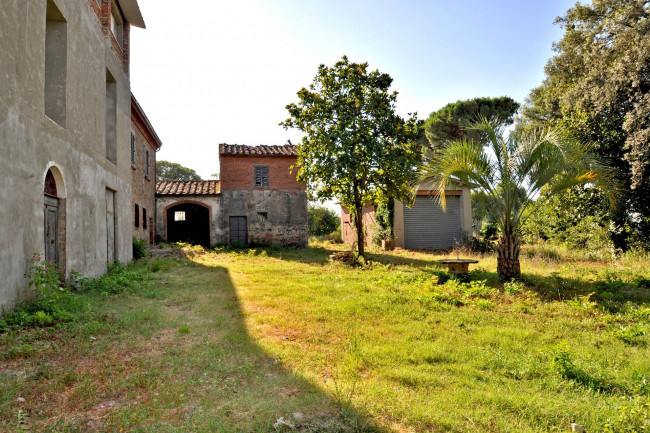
{"points": [[508, 256], [361, 241]]}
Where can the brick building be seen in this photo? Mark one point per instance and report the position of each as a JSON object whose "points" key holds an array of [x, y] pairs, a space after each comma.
{"points": [[144, 145], [258, 200], [65, 126]]}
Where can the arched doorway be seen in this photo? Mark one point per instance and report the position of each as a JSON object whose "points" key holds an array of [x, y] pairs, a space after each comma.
{"points": [[190, 223], [54, 217]]}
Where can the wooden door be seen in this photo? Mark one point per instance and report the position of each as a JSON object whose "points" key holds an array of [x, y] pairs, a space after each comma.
{"points": [[238, 229], [51, 229], [110, 226]]}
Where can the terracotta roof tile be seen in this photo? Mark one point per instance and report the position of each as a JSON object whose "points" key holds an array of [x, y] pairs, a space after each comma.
{"points": [[261, 150], [188, 187]]}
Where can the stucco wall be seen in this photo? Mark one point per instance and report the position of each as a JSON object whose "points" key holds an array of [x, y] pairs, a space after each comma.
{"points": [[30, 142], [286, 215], [212, 202]]}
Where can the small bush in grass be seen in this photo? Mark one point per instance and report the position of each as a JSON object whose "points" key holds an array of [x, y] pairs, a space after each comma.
{"points": [[335, 236], [184, 330], [140, 248], [484, 304], [513, 287]]}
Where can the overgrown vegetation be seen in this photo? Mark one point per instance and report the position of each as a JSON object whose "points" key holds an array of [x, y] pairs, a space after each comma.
{"points": [[140, 248], [322, 221], [597, 86], [245, 339]]}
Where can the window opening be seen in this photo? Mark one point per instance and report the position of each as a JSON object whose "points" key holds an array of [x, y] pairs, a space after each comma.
{"points": [[111, 118], [146, 165], [56, 58], [179, 215], [261, 176], [132, 149]]}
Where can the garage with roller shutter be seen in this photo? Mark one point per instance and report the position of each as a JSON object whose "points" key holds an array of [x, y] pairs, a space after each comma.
{"points": [[425, 225]]}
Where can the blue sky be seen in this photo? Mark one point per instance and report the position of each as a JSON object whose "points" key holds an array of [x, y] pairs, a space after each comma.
{"points": [[210, 71]]}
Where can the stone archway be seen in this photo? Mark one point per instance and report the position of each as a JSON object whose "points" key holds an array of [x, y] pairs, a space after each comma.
{"points": [[54, 217], [188, 222]]}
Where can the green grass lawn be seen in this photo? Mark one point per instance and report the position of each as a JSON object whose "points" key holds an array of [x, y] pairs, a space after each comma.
{"points": [[232, 341]]}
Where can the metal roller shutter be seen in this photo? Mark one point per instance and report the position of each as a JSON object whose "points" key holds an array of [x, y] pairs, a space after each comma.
{"points": [[427, 226]]}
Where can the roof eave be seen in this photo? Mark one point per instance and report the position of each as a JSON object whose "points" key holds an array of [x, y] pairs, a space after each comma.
{"points": [[132, 13], [138, 108]]}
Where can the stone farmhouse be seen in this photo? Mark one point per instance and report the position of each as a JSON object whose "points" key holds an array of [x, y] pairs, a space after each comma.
{"points": [[67, 183], [257, 200], [424, 225]]}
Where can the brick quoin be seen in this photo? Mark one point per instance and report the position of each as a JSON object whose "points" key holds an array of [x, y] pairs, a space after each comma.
{"points": [[237, 172]]}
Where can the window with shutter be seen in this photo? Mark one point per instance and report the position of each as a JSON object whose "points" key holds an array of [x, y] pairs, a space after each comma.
{"points": [[261, 176]]}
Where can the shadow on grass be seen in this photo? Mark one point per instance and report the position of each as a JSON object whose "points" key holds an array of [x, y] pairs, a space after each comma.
{"points": [[319, 254], [177, 356], [282, 400]]}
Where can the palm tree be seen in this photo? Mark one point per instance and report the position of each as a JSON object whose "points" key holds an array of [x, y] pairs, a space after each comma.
{"points": [[513, 171]]}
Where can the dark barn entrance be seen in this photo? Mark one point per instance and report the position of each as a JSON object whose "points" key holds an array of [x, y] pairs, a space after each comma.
{"points": [[189, 223]]}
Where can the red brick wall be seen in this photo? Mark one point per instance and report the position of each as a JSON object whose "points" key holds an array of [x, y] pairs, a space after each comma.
{"points": [[348, 228], [144, 189], [236, 172], [122, 53]]}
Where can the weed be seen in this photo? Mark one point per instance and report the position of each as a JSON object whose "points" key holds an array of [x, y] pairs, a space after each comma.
{"points": [[43, 276], [632, 417], [566, 368], [484, 304], [629, 334], [513, 287], [184, 330], [18, 351]]}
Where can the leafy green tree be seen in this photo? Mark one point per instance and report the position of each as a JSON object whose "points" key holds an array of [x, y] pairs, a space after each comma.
{"points": [[577, 218], [512, 170], [452, 120], [321, 220], [355, 148], [166, 170], [598, 86]]}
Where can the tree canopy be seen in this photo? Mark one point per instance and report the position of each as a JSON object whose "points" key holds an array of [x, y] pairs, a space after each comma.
{"points": [[355, 148], [166, 170], [598, 86], [452, 120]]}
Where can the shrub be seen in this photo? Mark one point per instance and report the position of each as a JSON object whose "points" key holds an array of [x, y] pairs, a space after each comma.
{"points": [[140, 248], [335, 236]]}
